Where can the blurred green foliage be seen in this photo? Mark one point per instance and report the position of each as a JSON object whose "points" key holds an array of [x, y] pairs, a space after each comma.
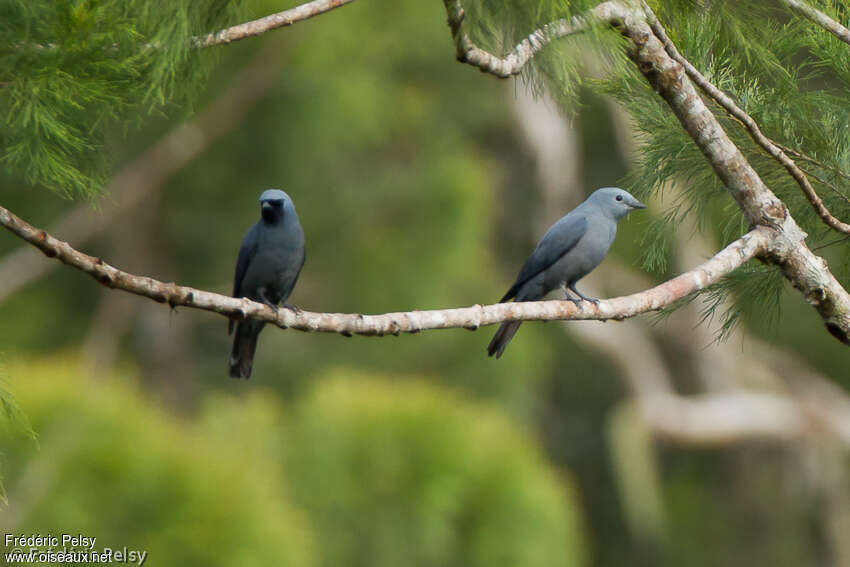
{"points": [[114, 466], [70, 68], [398, 472], [381, 473]]}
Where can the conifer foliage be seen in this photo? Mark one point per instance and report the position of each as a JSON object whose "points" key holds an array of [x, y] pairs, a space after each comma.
{"points": [[69, 70]]}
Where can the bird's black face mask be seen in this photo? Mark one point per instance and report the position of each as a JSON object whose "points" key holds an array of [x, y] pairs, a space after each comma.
{"points": [[272, 211]]}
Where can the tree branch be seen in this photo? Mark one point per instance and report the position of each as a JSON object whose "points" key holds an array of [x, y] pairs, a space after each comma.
{"points": [[268, 23], [807, 272], [513, 62], [820, 19], [749, 123], [725, 418], [834, 170], [728, 259]]}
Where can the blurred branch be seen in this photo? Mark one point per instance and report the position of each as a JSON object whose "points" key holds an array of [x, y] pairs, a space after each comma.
{"points": [[746, 400], [820, 19], [136, 182], [725, 261], [725, 418], [769, 395], [257, 27], [749, 123], [808, 272]]}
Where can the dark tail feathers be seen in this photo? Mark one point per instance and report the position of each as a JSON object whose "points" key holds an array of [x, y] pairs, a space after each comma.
{"points": [[503, 336], [244, 344]]}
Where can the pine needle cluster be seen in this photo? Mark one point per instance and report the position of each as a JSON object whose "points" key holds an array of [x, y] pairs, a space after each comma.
{"points": [[69, 70]]}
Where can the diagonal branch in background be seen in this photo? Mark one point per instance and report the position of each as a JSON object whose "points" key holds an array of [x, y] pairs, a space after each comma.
{"points": [[817, 163], [786, 402], [819, 18], [806, 271], [723, 418], [134, 183], [268, 23], [749, 123], [722, 263]]}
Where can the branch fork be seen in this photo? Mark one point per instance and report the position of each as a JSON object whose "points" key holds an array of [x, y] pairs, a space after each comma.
{"points": [[670, 75]]}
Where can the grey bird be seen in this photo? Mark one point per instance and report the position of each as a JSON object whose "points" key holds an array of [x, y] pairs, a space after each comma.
{"points": [[270, 259], [570, 249]]}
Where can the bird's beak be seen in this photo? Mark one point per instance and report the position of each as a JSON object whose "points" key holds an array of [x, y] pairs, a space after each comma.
{"points": [[638, 205], [266, 205]]}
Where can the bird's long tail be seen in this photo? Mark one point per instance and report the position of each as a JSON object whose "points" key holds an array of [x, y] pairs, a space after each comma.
{"points": [[503, 336], [244, 344]]}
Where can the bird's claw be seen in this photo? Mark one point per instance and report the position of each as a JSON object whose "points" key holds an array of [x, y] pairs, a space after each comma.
{"points": [[266, 301], [294, 308], [583, 297]]}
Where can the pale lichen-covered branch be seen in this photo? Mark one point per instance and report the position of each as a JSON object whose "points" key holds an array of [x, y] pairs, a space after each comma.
{"points": [[821, 19], [659, 297], [268, 23], [513, 62]]}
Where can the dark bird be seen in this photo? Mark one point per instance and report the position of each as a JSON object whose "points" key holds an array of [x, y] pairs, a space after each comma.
{"points": [[570, 249], [270, 259]]}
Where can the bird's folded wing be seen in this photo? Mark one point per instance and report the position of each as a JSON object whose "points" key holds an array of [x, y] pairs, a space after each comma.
{"points": [[247, 251], [558, 240]]}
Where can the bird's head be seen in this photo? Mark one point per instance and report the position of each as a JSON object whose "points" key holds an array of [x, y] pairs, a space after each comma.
{"points": [[615, 202], [274, 204]]}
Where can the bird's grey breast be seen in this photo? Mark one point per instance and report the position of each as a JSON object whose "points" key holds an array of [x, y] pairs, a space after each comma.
{"points": [[280, 252]]}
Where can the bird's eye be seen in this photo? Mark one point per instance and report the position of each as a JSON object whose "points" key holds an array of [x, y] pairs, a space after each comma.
{"points": [[619, 197]]}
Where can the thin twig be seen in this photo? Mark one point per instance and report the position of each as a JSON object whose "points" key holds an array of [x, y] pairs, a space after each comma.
{"points": [[810, 159], [722, 263], [268, 23], [749, 123], [807, 158], [513, 62], [820, 19]]}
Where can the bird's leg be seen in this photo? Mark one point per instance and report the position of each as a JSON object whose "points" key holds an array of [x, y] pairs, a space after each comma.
{"points": [[567, 296], [584, 297], [262, 294], [294, 308]]}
